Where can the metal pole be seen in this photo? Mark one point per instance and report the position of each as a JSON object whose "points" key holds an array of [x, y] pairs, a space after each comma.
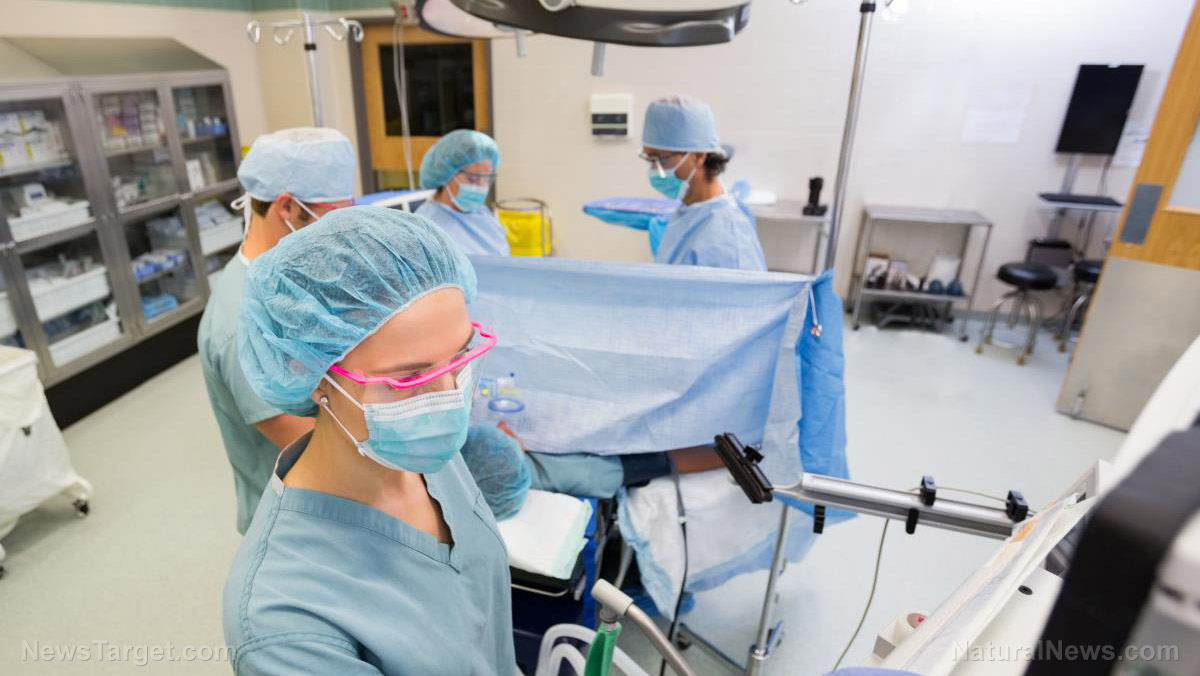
{"points": [[599, 53], [616, 604], [867, 10], [1068, 184], [761, 650], [314, 85]]}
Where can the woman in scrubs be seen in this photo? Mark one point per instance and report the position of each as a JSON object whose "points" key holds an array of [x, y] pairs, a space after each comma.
{"points": [[461, 166], [711, 227], [372, 550]]}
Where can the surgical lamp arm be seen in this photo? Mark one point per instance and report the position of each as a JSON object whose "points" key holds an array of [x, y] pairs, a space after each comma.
{"points": [[912, 508]]}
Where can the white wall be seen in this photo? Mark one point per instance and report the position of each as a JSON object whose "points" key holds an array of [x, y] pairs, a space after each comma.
{"points": [[218, 35], [779, 93]]}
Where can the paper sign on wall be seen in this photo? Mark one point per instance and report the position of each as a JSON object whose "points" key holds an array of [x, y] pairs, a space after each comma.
{"points": [[1132, 145], [996, 117]]}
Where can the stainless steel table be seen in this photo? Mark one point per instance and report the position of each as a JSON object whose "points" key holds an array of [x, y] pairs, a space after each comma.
{"points": [[877, 217], [792, 211]]}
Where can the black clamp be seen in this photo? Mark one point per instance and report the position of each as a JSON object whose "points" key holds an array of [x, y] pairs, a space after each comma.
{"points": [[1016, 507], [927, 496], [818, 519], [928, 490]]}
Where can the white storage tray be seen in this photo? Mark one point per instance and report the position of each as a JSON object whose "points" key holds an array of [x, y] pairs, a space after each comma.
{"points": [[35, 225], [87, 341], [221, 237], [59, 297], [8, 322]]}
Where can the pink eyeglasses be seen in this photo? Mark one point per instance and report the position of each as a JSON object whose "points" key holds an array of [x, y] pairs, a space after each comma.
{"points": [[480, 343]]}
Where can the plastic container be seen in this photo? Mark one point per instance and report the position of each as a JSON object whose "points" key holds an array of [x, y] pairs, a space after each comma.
{"points": [[48, 222], [221, 237], [527, 226], [154, 306], [504, 406], [59, 296], [85, 342]]}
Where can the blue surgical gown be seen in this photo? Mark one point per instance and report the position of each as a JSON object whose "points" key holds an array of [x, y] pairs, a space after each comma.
{"points": [[476, 234], [325, 585], [718, 233]]}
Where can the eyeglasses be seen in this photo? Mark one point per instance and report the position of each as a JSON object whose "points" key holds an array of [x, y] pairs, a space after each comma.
{"points": [[480, 343], [476, 178], [656, 161]]}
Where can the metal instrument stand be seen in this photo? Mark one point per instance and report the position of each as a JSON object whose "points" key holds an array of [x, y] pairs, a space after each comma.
{"points": [[281, 33], [944, 218], [923, 508]]}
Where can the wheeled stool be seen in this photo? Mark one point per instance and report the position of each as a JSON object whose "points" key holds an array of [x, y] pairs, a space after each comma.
{"points": [[1026, 277], [1085, 275]]}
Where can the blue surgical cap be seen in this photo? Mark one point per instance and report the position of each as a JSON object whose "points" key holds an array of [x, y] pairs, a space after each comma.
{"points": [[326, 287], [682, 124], [454, 151], [497, 464], [310, 163]]}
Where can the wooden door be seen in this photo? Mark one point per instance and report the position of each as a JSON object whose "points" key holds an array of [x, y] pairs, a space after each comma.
{"points": [[449, 87], [1146, 309]]}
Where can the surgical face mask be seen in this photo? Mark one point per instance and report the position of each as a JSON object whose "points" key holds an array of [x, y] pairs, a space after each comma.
{"points": [[470, 198], [418, 434], [668, 184], [304, 207]]}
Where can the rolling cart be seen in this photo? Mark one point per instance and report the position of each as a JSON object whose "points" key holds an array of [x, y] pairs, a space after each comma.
{"points": [[34, 463]]}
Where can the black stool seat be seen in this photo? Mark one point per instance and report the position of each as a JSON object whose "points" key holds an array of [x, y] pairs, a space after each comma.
{"points": [[1028, 276], [1088, 271]]}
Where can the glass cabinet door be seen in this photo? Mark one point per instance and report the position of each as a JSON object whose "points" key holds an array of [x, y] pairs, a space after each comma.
{"points": [[133, 139], [161, 260], [45, 210], [10, 330], [221, 230], [202, 115], [42, 191], [72, 294]]}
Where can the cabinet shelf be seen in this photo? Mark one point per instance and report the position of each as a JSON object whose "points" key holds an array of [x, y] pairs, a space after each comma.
{"points": [[122, 152], [21, 169]]}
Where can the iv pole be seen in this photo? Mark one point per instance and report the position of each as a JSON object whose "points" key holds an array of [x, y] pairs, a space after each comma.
{"points": [[867, 11], [281, 33]]}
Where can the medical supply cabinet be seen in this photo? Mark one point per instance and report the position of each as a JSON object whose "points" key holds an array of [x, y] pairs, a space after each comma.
{"points": [[118, 160]]}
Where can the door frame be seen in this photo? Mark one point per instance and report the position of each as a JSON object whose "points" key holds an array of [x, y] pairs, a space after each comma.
{"points": [[359, 70]]}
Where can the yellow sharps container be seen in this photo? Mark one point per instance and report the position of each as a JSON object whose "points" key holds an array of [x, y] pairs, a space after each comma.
{"points": [[528, 225]]}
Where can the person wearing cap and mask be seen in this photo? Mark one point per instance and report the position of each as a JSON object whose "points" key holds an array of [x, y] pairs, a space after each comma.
{"points": [[461, 166], [289, 178], [685, 155], [372, 550]]}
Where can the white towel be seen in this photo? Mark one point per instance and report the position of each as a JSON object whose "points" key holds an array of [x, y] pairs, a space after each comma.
{"points": [[546, 536]]}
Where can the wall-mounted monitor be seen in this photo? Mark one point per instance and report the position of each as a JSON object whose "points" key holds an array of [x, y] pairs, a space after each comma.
{"points": [[1099, 107]]}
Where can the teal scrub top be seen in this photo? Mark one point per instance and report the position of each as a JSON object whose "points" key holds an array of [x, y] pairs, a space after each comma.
{"points": [[325, 585], [234, 403], [583, 475]]}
